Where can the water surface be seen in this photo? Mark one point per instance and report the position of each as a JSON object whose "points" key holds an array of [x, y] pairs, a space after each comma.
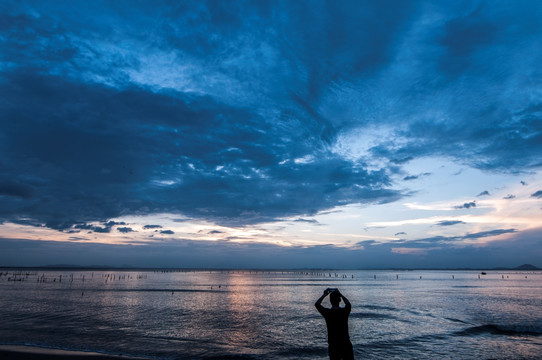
{"points": [[271, 314]]}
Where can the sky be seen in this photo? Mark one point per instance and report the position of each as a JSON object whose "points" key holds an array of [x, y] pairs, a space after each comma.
{"points": [[271, 134]]}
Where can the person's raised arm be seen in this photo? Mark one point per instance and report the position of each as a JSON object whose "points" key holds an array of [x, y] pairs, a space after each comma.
{"points": [[318, 302], [347, 304]]}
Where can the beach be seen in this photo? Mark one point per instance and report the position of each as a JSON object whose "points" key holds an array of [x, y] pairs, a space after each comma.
{"points": [[19, 352]]}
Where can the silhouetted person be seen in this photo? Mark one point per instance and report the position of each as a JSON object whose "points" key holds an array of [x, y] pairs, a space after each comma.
{"points": [[338, 339]]}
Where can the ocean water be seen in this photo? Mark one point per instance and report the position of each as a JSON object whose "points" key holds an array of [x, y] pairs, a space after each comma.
{"points": [[271, 314]]}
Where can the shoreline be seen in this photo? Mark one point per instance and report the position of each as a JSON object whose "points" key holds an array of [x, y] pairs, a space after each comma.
{"points": [[20, 352], [151, 269]]}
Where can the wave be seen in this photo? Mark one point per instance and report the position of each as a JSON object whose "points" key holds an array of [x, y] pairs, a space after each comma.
{"points": [[301, 352], [225, 357], [513, 330], [457, 321], [368, 315], [378, 307], [201, 288]]}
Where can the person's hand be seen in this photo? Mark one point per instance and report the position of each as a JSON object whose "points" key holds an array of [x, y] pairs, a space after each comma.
{"points": [[327, 291]]}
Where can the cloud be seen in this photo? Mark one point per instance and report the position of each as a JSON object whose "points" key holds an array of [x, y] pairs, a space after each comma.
{"points": [[415, 177], [449, 222], [17, 190], [466, 205], [167, 232], [213, 232], [125, 229], [310, 221], [489, 233], [77, 238], [400, 233], [105, 228], [468, 40], [484, 193], [524, 247], [537, 194], [146, 227], [66, 158], [509, 197], [431, 241], [207, 119]]}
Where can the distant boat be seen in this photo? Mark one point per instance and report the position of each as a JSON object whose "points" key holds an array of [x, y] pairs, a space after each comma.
{"points": [[484, 273]]}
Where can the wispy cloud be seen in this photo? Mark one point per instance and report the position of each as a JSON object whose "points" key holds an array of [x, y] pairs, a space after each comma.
{"points": [[449, 222]]}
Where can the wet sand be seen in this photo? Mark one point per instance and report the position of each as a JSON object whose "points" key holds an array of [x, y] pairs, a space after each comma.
{"points": [[14, 352]]}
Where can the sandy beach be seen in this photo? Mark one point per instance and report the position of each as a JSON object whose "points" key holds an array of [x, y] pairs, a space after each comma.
{"points": [[14, 352]]}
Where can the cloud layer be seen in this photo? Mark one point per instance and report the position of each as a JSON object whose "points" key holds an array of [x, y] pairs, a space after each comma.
{"points": [[222, 254], [241, 113]]}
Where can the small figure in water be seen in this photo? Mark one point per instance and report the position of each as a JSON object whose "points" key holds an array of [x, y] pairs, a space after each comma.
{"points": [[338, 339]]}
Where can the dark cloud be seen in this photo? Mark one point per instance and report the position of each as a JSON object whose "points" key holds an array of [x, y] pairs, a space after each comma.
{"points": [[167, 232], [125, 229], [402, 160], [400, 233], [463, 37], [152, 226], [105, 228], [367, 243], [89, 131], [431, 241], [509, 197], [8, 188], [212, 232], [113, 223], [523, 183], [95, 153], [466, 205], [495, 232], [484, 193], [83, 226], [449, 222], [537, 194], [415, 177]]}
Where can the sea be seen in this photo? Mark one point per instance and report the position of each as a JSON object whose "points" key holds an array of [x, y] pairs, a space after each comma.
{"points": [[256, 314]]}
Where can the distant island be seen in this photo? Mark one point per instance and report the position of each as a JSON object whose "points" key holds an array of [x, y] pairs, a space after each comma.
{"points": [[522, 267]]}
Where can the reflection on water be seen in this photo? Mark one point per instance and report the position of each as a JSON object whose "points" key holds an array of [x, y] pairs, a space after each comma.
{"points": [[270, 315]]}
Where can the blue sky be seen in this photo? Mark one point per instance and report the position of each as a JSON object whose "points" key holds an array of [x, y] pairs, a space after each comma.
{"points": [[351, 134]]}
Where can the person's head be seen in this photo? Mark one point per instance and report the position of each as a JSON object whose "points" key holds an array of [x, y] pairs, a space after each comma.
{"points": [[334, 298]]}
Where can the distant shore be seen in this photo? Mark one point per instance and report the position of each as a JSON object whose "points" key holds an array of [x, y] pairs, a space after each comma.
{"points": [[524, 267], [20, 352]]}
